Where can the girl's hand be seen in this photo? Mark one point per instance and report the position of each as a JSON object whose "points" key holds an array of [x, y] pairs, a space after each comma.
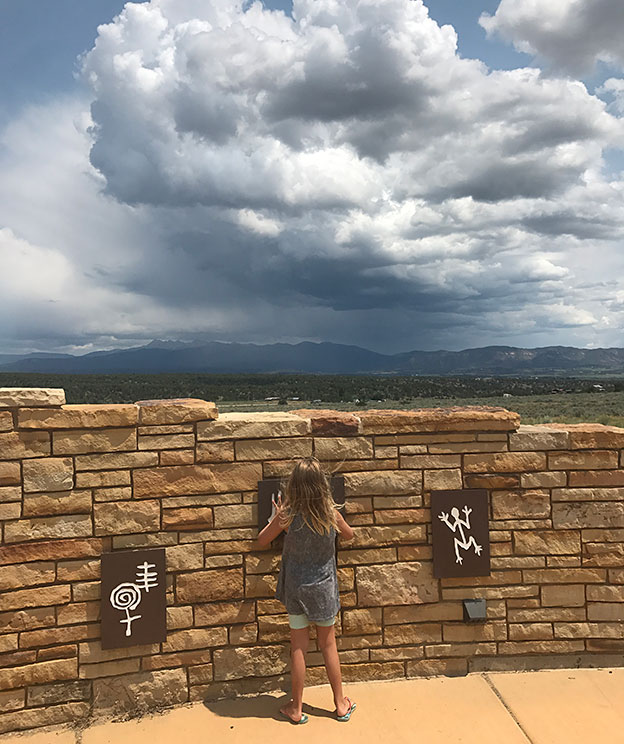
{"points": [[276, 505]]}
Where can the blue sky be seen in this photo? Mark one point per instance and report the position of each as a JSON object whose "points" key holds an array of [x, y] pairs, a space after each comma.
{"points": [[211, 171]]}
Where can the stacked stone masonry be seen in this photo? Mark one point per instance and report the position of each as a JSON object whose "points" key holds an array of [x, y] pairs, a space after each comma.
{"points": [[77, 481]]}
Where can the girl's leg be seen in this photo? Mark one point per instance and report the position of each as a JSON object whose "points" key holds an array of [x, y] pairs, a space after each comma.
{"points": [[299, 641], [327, 644]]}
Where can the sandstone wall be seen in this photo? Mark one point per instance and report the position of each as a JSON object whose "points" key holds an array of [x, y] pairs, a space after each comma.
{"points": [[80, 480]]}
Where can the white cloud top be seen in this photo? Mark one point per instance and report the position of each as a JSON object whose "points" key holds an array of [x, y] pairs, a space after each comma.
{"points": [[572, 34]]}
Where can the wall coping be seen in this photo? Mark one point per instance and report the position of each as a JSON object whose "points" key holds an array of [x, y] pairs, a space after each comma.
{"points": [[45, 408]]}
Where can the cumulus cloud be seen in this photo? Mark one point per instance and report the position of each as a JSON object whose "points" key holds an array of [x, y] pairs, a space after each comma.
{"points": [[572, 34], [341, 174]]}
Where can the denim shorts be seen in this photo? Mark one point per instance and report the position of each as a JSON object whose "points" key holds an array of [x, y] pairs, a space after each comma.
{"points": [[297, 622]]}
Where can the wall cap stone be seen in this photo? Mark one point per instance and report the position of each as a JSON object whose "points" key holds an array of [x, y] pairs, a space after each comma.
{"points": [[175, 411], [456, 418], [79, 416], [12, 397]]}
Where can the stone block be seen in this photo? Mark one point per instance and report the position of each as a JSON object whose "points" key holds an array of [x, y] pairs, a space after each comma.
{"points": [[57, 636], [175, 411], [225, 613], [396, 584], [10, 474], [27, 619], [605, 593], [236, 515], [109, 668], [142, 692], [547, 479], [57, 502], [62, 692], [6, 423], [26, 574], [253, 426], [114, 493], [14, 397], [537, 438], [606, 611], [50, 550], [187, 518], [197, 479], [547, 542], [505, 462], [343, 448], [103, 479], [440, 480], [583, 460], [215, 451], [520, 504], [327, 423], [387, 482], [78, 416], [71, 525], [209, 586], [48, 474], [437, 667], [123, 517], [460, 419], [166, 441], [85, 569], [492, 481], [184, 557], [565, 576], [184, 640], [116, 460], [82, 441], [571, 515], [50, 715], [273, 449], [257, 585], [17, 445], [179, 617], [588, 494], [253, 661], [430, 461], [397, 635], [595, 436], [361, 621], [373, 555], [10, 510], [270, 628], [600, 478], [177, 457], [78, 612], [36, 674], [402, 516], [379, 535]]}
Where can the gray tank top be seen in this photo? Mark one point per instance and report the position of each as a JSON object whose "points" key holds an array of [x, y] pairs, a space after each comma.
{"points": [[307, 582]]}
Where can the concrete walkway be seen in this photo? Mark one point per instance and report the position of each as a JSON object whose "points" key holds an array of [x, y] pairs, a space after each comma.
{"points": [[545, 707]]}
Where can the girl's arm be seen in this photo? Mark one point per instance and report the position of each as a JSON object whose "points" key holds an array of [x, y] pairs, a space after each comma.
{"points": [[344, 530], [273, 528]]}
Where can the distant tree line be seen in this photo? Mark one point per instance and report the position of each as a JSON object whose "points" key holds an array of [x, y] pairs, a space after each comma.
{"points": [[366, 390]]}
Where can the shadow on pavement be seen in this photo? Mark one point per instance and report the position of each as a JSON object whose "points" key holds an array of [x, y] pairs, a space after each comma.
{"points": [[260, 706]]}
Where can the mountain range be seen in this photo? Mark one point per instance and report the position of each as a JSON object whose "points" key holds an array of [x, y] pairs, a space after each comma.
{"points": [[320, 358]]}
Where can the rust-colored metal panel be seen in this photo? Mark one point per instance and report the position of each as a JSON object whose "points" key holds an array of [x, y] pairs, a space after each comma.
{"points": [[134, 610], [461, 534]]}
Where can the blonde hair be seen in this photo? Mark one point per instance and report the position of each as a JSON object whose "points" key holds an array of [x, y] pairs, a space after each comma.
{"points": [[308, 493]]}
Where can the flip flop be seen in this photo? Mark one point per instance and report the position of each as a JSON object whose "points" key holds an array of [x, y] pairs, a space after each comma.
{"points": [[303, 719], [347, 715]]}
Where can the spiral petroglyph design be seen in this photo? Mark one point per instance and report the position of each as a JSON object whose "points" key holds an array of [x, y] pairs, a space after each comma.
{"points": [[125, 596]]}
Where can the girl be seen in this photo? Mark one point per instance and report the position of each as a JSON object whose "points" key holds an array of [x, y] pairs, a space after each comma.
{"points": [[307, 583]]}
